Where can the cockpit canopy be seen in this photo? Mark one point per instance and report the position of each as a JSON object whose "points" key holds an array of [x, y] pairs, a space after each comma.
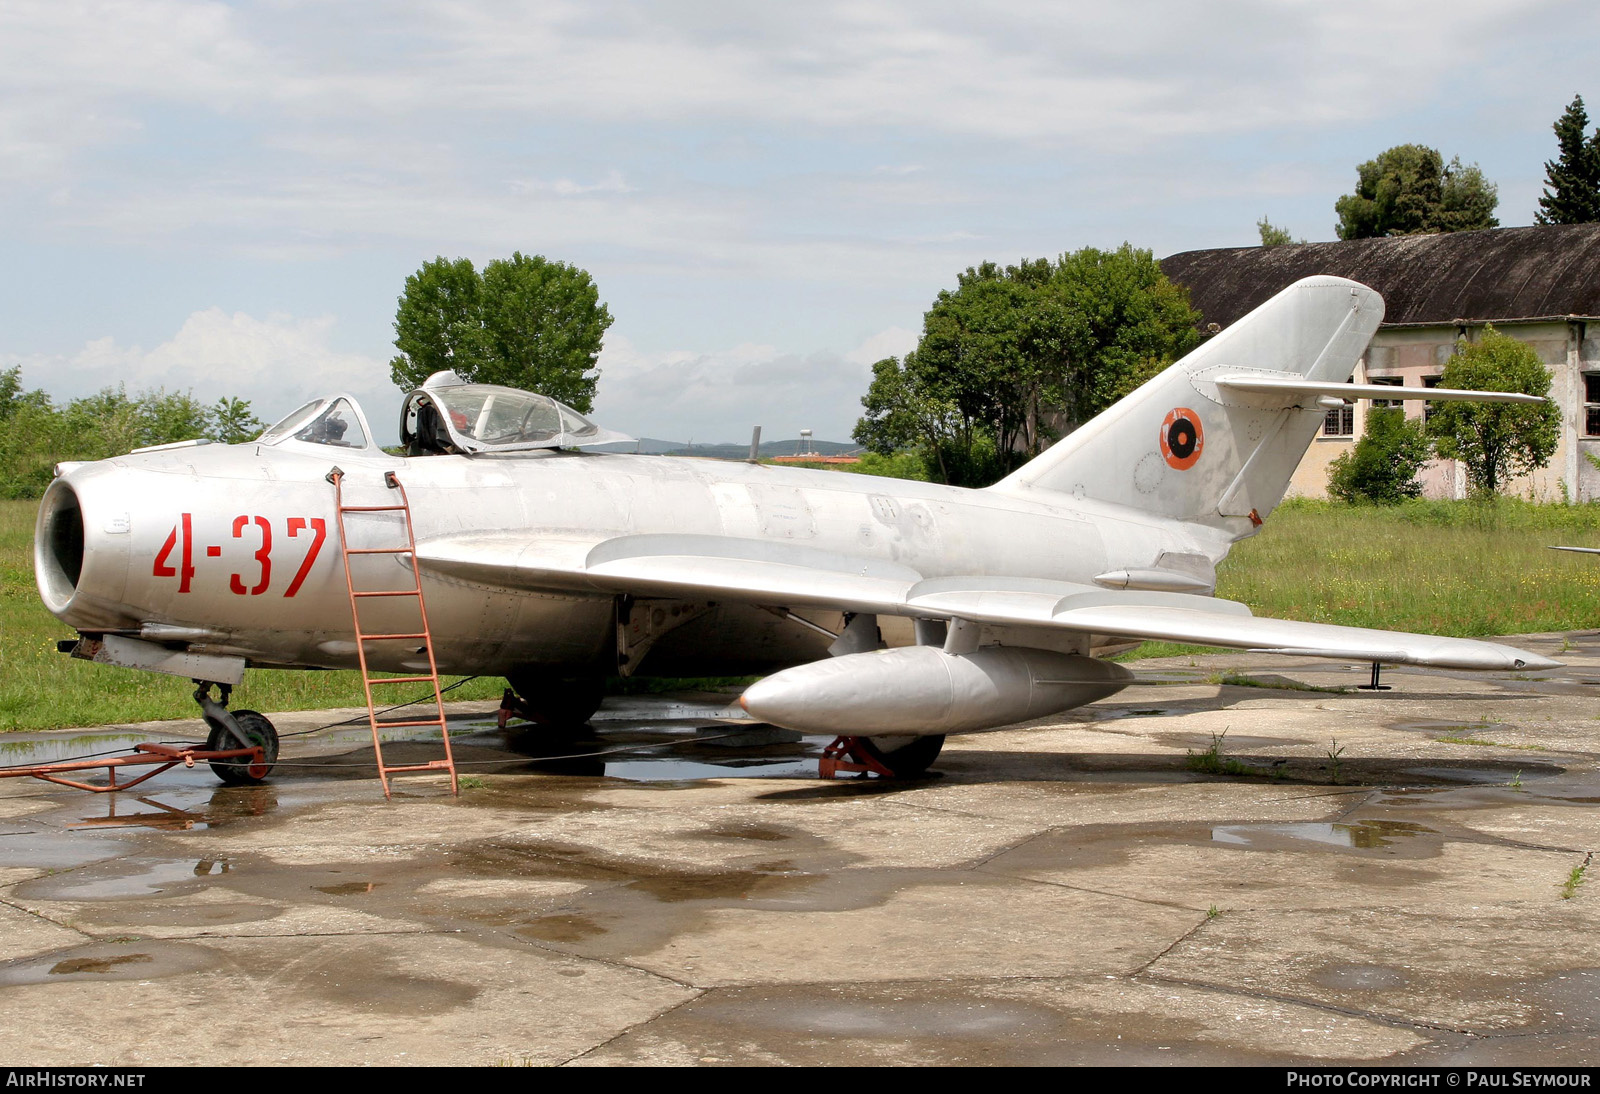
{"points": [[336, 421], [447, 414]]}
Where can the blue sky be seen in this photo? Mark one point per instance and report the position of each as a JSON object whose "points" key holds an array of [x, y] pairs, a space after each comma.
{"points": [[227, 198]]}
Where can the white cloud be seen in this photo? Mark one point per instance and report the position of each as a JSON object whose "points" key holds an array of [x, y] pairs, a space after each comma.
{"points": [[718, 396], [612, 183], [890, 342], [276, 363]]}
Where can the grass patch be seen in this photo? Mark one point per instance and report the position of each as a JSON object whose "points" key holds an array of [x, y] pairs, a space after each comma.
{"points": [[1439, 567], [1213, 762], [1569, 888], [1166, 649], [1335, 750]]}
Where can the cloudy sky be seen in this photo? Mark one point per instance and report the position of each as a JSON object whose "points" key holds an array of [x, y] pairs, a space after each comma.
{"points": [[227, 197]]}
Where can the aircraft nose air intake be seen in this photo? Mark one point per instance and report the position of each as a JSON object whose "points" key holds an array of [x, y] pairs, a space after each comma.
{"points": [[58, 546]]}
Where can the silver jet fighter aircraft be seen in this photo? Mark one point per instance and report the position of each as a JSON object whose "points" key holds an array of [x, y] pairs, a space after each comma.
{"points": [[887, 612]]}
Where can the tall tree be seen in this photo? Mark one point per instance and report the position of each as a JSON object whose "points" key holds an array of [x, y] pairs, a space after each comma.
{"points": [[525, 321], [1496, 441], [1012, 349], [1572, 180], [1409, 190]]}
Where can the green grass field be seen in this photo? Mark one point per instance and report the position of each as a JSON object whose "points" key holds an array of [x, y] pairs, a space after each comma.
{"points": [[1454, 568]]}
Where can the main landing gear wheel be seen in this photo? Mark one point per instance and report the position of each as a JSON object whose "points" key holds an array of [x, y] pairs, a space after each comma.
{"points": [[888, 757], [258, 731], [552, 701]]}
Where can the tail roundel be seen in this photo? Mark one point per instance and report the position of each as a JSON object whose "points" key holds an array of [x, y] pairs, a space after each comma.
{"points": [[1206, 440]]}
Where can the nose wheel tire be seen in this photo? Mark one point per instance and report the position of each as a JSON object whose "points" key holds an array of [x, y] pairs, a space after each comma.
{"points": [[258, 731]]}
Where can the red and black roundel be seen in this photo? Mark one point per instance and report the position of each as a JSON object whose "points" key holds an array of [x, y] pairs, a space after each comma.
{"points": [[1181, 438]]}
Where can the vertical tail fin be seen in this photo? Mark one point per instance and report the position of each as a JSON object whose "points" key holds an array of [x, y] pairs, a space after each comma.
{"points": [[1187, 447]]}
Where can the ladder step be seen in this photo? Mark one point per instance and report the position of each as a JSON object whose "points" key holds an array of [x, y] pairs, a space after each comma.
{"points": [[393, 592], [434, 765], [417, 722], [382, 637], [400, 679], [371, 508], [379, 551]]}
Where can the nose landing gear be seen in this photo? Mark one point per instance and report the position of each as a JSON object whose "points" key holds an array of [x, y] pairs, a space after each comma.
{"points": [[234, 730]]}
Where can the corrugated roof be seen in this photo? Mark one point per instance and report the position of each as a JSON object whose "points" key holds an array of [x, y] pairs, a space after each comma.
{"points": [[1497, 275]]}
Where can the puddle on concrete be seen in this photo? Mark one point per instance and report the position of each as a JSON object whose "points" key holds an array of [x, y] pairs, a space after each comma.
{"points": [[125, 878], [733, 885], [29, 845], [1444, 728], [1360, 835], [363, 991], [17, 749], [133, 959], [1109, 714], [660, 751], [888, 1018], [348, 888], [561, 928], [1569, 998], [1360, 977], [1493, 776]]}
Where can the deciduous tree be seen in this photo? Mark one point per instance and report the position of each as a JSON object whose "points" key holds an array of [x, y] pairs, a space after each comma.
{"points": [[1409, 189], [1274, 236], [1012, 349], [1496, 441], [1383, 465], [525, 321]]}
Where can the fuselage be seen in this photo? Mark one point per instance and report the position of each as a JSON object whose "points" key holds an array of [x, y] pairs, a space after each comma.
{"points": [[235, 549]]}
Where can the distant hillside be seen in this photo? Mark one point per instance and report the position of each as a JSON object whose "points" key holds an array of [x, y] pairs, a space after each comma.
{"points": [[653, 447]]}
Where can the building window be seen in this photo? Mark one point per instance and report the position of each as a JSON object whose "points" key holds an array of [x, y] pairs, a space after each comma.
{"points": [[1430, 406], [1591, 404], [1386, 381], [1341, 420]]}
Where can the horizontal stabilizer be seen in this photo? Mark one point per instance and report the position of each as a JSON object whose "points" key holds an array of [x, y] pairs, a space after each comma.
{"points": [[1302, 639], [1579, 550], [1295, 385]]}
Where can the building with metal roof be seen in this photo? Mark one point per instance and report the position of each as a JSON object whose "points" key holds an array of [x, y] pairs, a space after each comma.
{"points": [[1540, 285]]}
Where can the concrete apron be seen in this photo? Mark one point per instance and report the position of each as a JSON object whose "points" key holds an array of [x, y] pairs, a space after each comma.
{"points": [[1381, 878]]}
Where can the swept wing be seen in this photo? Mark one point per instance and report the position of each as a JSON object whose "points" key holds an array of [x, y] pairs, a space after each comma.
{"points": [[788, 575]]}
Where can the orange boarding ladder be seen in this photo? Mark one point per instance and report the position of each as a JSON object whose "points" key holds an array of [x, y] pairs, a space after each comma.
{"points": [[368, 681]]}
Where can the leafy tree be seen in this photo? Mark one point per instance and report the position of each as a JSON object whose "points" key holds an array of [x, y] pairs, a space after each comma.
{"points": [[1274, 236], [1572, 179], [230, 421], [1496, 441], [1011, 349], [1383, 465], [1410, 190], [525, 321]]}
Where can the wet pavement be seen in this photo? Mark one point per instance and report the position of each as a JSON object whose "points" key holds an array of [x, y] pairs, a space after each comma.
{"points": [[1240, 859]]}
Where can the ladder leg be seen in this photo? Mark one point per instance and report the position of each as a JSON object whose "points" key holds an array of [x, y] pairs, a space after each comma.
{"points": [[392, 481]]}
